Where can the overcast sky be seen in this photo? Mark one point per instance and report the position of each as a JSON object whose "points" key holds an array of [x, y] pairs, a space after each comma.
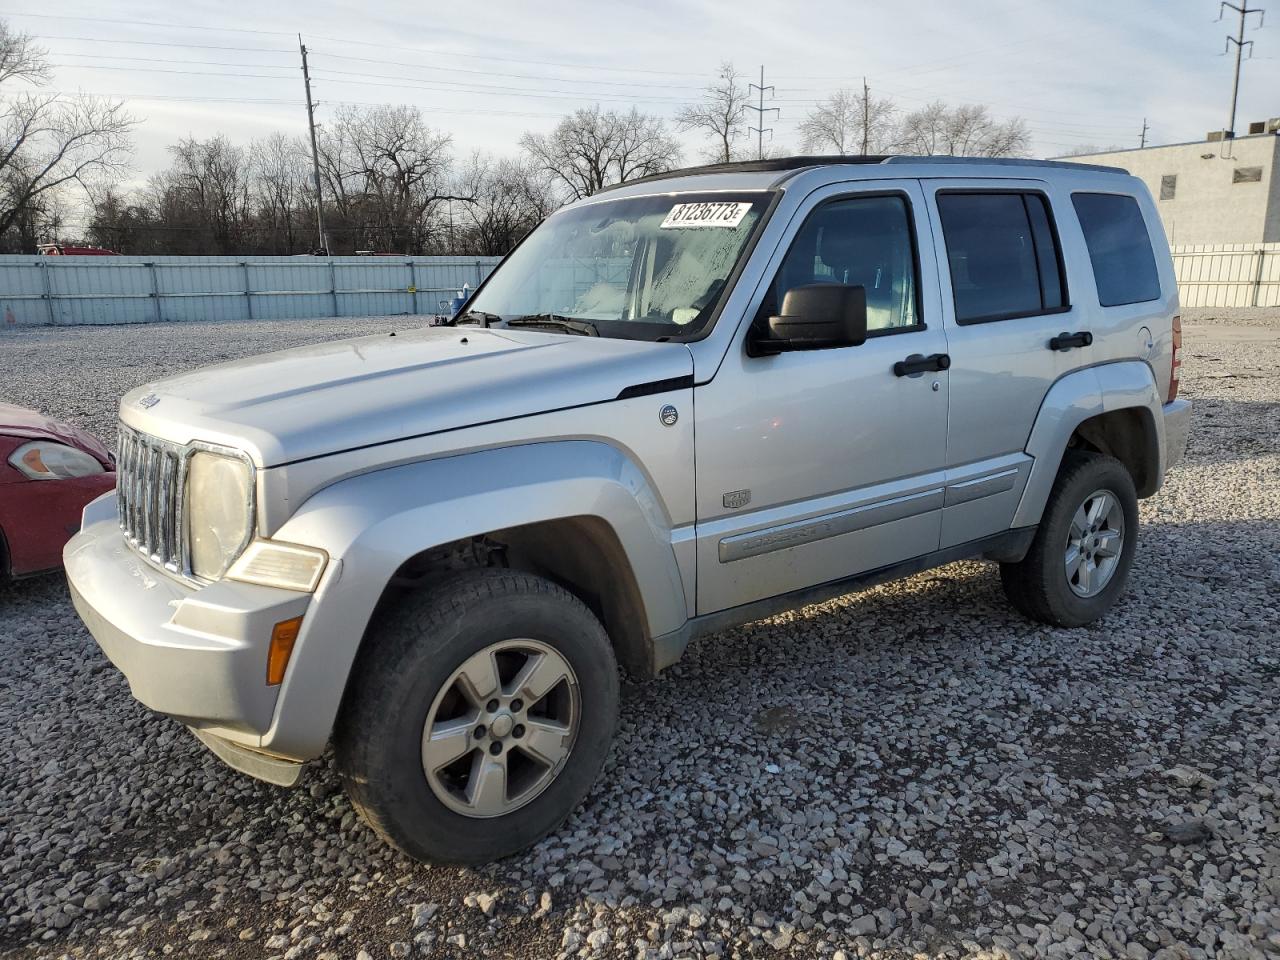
{"points": [[1087, 71]]}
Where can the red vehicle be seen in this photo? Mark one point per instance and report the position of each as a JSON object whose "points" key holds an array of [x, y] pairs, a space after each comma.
{"points": [[71, 250], [48, 472]]}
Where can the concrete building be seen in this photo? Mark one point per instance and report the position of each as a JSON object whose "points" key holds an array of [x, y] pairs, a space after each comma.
{"points": [[1211, 191]]}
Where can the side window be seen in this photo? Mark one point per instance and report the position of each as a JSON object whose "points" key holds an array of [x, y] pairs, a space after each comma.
{"points": [[860, 241], [1003, 255], [1119, 248]]}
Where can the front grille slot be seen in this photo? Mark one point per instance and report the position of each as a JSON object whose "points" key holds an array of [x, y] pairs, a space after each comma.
{"points": [[151, 475]]}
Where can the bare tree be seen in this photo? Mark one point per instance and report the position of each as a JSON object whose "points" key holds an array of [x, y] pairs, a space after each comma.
{"points": [[48, 142], [967, 130], [278, 184], [590, 149], [722, 114], [1087, 149], [388, 172], [209, 177], [511, 197], [851, 122]]}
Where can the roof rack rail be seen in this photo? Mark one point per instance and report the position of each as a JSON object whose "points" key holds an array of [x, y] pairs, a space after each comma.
{"points": [[802, 162], [1007, 162], [774, 164]]}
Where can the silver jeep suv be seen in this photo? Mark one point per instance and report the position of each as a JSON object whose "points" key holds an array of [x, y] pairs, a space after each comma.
{"points": [[681, 404]]}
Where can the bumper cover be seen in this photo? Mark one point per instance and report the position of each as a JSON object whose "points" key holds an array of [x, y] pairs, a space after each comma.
{"points": [[198, 655], [1177, 427]]}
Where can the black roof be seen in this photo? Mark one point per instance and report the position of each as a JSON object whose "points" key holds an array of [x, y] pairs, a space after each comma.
{"points": [[804, 162]]}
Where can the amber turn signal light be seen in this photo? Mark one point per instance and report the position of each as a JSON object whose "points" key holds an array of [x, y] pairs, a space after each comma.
{"points": [[283, 635]]}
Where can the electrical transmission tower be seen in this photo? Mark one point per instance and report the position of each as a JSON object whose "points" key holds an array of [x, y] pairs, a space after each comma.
{"points": [[760, 111], [1243, 10]]}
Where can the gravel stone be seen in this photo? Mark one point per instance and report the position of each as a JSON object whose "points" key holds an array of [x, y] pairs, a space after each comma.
{"points": [[951, 779]]}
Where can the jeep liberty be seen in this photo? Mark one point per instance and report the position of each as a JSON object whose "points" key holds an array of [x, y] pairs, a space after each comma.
{"points": [[678, 405]]}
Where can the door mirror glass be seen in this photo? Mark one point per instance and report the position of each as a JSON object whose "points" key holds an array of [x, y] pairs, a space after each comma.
{"points": [[819, 315]]}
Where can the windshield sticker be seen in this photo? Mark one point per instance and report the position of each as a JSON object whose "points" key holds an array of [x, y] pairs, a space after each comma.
{"points": [[724, 214]]}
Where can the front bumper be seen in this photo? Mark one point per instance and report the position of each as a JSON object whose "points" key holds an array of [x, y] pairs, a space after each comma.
{"points": [[196, 654], [1177, 427]]}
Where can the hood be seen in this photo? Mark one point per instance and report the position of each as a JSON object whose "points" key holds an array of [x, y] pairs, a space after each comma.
{"points": [[329, 397], [33, 425]]}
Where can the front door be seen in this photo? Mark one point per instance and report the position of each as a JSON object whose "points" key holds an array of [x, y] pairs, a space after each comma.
{"points": [[816, 465]]}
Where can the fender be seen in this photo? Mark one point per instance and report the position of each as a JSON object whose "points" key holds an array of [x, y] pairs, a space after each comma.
{"points": [[1072, 400], [372, 523]]}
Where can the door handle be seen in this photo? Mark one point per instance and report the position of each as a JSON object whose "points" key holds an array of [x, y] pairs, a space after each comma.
{"points": [[919, 363], [1065, 341]]}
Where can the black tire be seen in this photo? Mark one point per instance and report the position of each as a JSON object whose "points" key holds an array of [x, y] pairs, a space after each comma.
{"points": [[1038, 585], [412, 650]]}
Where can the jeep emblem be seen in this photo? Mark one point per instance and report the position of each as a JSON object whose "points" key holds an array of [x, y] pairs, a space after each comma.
{"points": [[668, 415], [736, 499]]}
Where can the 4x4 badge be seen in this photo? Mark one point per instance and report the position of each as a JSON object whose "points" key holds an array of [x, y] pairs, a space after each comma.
{"points": [[668, 415], [149, 401]]}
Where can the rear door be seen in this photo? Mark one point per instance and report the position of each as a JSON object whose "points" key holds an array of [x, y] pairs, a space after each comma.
{"points": [[1006, 302]]}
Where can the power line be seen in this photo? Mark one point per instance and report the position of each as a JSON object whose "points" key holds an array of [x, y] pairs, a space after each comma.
{"points": [[512, 76], [165, 43], [151, 23]]}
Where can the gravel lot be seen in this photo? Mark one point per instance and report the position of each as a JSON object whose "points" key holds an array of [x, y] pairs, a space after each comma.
{"points": [[910, 771]]}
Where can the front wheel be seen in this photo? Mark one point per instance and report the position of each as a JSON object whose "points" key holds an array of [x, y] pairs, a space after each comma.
{"points": [[479, 715], [1079, 561]]}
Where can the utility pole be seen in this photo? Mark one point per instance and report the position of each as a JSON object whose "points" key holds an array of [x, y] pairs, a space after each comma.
{"points": [[1244, 10], [761, 110], [1143, 141], [866, 115], [315, 153]]}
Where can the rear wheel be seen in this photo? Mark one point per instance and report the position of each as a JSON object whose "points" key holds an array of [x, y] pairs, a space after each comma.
{"points": [[1079, 561], [479, 716]]}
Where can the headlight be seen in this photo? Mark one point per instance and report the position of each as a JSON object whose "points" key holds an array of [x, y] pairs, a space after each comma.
{"points": [[219, 511], [275, 564], [48, 460]]}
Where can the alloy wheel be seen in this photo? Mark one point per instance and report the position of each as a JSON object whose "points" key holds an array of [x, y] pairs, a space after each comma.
{"points": [[501, 728], [1095, 542]]}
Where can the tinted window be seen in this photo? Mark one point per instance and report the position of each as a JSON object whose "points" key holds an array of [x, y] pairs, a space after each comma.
{"points": [[863, 241], [1003, 255], [1119, 248]]}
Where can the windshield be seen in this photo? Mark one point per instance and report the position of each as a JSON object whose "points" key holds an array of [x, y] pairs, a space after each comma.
{"points": [[640, 267]]}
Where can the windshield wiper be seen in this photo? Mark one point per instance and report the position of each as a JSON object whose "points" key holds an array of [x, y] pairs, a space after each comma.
{"points": [[556, 322], [478, 316]]}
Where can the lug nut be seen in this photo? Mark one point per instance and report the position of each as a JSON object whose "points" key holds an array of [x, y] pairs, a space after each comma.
{"points": [[480, 731], [518, 731], [517, 704], [495, 748], [491, 706]]}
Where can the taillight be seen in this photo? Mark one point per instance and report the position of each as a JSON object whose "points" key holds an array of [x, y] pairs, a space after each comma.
{"points": [[1175, 367]]}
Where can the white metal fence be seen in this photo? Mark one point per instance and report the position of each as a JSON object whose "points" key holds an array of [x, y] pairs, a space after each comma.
{"points": [[1228, 275], [37, 290]]}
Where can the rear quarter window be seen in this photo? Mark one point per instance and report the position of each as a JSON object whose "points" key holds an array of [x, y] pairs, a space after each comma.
{"points": [[1124, 266]]}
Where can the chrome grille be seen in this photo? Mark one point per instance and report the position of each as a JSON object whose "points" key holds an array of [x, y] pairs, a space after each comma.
{"points": [[150, 477]]}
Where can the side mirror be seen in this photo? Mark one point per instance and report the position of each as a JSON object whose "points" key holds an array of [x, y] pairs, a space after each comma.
{"points": [[817, 316]]}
